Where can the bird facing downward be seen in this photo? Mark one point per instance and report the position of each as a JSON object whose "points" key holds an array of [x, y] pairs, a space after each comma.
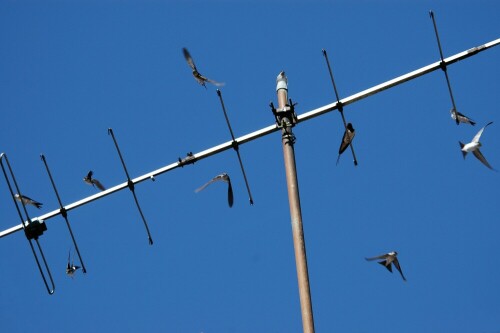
{"points": [[92, 181], [460, 118], [349, 134], [387, 260], [28, 201], [197, 76], [473, 147], [70, 267], [224, 177]]}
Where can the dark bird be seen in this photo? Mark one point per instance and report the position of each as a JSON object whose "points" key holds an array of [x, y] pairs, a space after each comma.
{"points": [[460, 118], [349, 134], [387, 260], [71, 268], [28, 201], [225, 178], [92, 181], [198, 77], [473, 147]]}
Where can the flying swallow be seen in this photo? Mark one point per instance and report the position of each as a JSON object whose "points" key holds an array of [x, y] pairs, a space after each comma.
{"points": [[198, 77], [460, 118], [225, 178], [387, 260], [70, 267], [92, 181], [473, 147], [28, 201], [349, 134]]}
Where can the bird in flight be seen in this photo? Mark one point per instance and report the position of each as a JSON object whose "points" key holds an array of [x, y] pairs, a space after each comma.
{"points": [[473, 147], [92, 181], [387, 260], [460, 118], [28, 201], [70, 267], [198, 77], [224, 177], [349, 134]]}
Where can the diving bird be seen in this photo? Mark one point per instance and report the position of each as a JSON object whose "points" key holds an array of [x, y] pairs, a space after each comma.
{"points": [[198, 77], [92, 181], [349, 134], [460, 118], [28, 201], [387, 260], [473, 147], [225, 178], [71, 268]]}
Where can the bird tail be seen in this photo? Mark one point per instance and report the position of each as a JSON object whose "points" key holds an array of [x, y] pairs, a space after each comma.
{"points": [[383, 263], [464, 153]]}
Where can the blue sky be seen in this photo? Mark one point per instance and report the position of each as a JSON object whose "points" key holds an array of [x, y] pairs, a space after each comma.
{"points": [[70, 70]]}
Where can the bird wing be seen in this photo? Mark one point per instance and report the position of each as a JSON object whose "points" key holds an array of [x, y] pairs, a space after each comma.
{"points": [[478, 135], [383, 256], [98, 184], [480, 157], [201, 188], [398, 267], [347, 138], [230, 198], [189, 59], [218, 84]]}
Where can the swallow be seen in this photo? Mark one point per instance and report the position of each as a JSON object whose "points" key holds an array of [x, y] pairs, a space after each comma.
{"points": [[197, 76], [349, 134], [387, 260], [473, 147], [70, 267], [460, 118], [92, 181], [225, 178], [28, 201]]}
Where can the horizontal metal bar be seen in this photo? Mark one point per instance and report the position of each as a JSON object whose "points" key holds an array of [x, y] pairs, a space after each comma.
{"points": [[270, 129]]}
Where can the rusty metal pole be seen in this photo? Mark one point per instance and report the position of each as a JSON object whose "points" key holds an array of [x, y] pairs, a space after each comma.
{"points": [[287, 120]]}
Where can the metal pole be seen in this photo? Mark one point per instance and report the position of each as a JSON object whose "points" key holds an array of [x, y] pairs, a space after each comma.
{"points": [[299, 245]]}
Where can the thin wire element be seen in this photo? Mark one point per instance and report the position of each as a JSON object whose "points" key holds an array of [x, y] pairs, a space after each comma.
{"points": [[52, 289], [340, 107], [235, 146], [64, 213], [130, 184]]}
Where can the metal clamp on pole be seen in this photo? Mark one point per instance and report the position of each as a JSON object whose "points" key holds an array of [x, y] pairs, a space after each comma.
{"points": [[32, 228]]}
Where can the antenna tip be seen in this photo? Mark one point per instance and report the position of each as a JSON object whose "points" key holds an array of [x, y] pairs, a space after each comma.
{"points": [[431, 13]]}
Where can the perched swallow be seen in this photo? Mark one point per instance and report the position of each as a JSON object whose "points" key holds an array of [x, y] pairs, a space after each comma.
{"points": [[460, 118], [28, 201], [198, 77], [225, 178], [349, 134], [92, 181], [388, 259], [71, 268], [473, 147]]}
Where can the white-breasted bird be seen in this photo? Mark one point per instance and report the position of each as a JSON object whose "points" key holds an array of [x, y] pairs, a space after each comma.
{"points": [[224, 177], [473, 147], [70, 267], [198, 77], [387, 260], [92, 181], [349, 134], [28, 201], [460, 118]]}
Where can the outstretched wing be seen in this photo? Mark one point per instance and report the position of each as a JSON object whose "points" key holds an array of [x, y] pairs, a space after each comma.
{"points": [[189, 59], [398, 267], [230, 198], [478, 135], [98, 184], [383, 256], [480, 157]]}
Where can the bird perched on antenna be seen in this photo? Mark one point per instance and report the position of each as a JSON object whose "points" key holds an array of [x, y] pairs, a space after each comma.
{"points": [[473, 147], [70, 267], [349, 134], [198, 77], [460, 118], [28, 201], [387, 260], [224, 177], [92, 181]]}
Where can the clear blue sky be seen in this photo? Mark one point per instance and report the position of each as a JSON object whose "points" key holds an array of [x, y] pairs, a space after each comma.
{"points": [[71, 69]]}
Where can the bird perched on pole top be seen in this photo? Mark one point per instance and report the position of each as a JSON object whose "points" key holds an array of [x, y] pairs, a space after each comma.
{"points": [[28, 201], [224, 177], [197, 76]]}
